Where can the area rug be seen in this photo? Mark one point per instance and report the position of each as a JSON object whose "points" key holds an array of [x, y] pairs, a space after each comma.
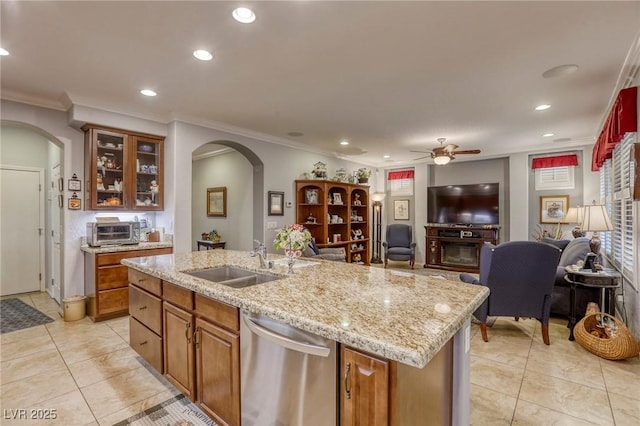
{"points": [[16, 315], [177, 411]]}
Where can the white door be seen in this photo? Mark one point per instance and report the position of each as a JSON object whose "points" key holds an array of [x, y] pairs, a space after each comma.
{"points": [[56, 201], [21, 228]]}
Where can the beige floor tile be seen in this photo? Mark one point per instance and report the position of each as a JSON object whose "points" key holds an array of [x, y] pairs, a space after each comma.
{"points": [[578, 367], [35, 389], [30, 365], [584, 402], [70, 410], [626, 411], [622, 377], [528, 414], [490, 408], [118, 392], [497, 376], [24, 347], [91, 347], [136, 408], [506, 345], [121, 327], [105, 366], [25, 333]]}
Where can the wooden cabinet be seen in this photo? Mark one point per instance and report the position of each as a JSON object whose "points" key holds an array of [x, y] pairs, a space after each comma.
{"points": [[107, 283], [337, 215], [123, 170], [178, 348], [365, 389], [145, 322], [457, 248]]}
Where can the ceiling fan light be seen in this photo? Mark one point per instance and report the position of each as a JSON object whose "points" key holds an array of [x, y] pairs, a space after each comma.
{"points": [[442, 160]]}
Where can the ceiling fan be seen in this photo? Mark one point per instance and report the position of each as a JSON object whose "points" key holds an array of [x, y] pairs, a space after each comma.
{"points": [[445, 153]]}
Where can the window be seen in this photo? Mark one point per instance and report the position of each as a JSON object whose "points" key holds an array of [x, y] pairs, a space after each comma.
{"points": [[400, 182], [555, 178], [614, 191]]}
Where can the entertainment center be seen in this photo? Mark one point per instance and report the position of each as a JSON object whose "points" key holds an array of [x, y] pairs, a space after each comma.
{"points": [[457, 247]]}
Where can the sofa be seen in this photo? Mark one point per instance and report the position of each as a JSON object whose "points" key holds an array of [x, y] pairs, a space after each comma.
{"points": [[314, 252], [572, 251]]}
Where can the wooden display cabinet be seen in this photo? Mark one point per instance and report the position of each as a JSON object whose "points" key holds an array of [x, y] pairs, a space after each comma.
{"points": [[336, 214], [457, 248], [123, 170]]}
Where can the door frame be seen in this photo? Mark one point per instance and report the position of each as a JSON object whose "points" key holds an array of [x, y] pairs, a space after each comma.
{"points": [[41, 216]]}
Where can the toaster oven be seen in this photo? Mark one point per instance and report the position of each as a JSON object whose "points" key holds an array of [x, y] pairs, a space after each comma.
{"points": [[112, 233]]}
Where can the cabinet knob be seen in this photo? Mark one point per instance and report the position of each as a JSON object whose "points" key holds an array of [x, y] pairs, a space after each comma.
{"points": [[143, 343]]}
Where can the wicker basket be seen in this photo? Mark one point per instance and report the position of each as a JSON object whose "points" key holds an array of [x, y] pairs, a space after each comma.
{"points": [[622, 346]]}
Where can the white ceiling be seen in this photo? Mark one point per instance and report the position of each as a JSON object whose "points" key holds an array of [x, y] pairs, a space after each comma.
{"points": [[390, 77]]}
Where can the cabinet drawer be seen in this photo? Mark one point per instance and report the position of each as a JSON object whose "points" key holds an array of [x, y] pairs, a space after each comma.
{"points": [[217, 312], [113, 300], [146, 308], [145, 281], [177, 295], [146, 343], [112, 277], [115, 258]]}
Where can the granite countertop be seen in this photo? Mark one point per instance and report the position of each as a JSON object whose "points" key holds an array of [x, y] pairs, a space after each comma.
{"points": [[127, 247], [397, 315]]}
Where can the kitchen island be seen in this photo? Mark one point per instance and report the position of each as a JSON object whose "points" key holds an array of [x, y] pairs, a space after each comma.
{"points": [[413, 323]]}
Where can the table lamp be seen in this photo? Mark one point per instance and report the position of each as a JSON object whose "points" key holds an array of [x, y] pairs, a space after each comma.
{"points": [[595, 220], [575, 215]]}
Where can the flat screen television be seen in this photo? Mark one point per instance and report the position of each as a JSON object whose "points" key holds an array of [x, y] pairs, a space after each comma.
{"points": [[476, 204]]}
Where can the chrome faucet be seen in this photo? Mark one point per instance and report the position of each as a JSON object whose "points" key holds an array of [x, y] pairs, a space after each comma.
{"points": [[261, 252]]}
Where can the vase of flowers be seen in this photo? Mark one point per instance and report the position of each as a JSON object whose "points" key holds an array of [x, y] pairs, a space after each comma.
{"points": [[293, 239], [363, 175]]}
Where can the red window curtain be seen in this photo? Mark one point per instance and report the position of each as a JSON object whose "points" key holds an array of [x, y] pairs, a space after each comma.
{"points": [[400, 174], [557, 161], [622, 119]]}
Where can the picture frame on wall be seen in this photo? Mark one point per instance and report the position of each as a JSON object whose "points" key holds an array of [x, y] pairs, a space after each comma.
{"points": [[553, 208], [217, 201], [276, 203], [401, 209], [75, 184], [74, 202]]}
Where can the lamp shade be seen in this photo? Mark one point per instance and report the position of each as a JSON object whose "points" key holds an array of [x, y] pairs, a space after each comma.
{"points": [[442, 160], [596, 219], [574, 215], [378, 196]]}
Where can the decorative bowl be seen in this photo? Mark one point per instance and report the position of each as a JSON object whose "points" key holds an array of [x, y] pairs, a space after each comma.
{"points": [[145, 148]]}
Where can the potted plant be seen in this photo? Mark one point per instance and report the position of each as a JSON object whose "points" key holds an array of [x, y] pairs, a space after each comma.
{"points": [[214, 236], [363, 175]]}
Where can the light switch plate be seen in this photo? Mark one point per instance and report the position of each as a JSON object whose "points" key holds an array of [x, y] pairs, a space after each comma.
{"points": [[272, 225]]}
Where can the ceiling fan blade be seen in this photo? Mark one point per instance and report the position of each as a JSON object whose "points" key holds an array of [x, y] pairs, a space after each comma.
{"points": [[423, 152], [450, 148], [420, 158], [439, 152], [468, 151]]}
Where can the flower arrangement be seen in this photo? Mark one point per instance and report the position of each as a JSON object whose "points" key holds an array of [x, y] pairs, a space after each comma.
{"points": [[292, 238], [363, 173]]}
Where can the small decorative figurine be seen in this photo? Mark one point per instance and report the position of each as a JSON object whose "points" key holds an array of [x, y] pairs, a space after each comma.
{"points": [[100, 183], [356, 200], [154, 190]]}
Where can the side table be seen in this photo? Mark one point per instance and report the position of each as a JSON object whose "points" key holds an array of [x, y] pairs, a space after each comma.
{"points": [[209, 245], [606, 280]]}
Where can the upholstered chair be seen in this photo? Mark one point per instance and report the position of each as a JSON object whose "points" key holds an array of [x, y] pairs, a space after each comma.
{"points": [[520, 275], [399, 244]]}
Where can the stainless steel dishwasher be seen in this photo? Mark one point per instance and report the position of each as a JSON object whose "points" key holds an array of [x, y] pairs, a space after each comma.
{"points": [[288, 376]]}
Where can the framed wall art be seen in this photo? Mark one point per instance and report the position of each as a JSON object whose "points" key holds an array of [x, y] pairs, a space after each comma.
{"points": [[217, 201], [401, 209], [276, 203], [553, 208]]}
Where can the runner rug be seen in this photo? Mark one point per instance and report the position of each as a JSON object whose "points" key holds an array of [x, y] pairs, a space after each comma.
{"points": [[16, 315], [177, 411]]}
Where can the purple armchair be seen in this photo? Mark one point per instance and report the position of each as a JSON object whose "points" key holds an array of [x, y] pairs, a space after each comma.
{"points": [[520, 275]]}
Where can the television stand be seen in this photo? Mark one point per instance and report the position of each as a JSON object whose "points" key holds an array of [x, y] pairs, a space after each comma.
{"points": [[457, 247]]}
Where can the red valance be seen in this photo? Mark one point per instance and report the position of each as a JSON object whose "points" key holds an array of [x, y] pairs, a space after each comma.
{"points": [[623, 118], [401, 174], [557, 161]]}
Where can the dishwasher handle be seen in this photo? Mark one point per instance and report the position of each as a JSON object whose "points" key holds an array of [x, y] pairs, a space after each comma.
{"points": [[285, 341]]}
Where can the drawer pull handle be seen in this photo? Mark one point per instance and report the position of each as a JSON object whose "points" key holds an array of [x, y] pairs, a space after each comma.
{"points": [[140, 280], [195, 336], [143, 343], [186, 332], [143, 308], [347, 391]]}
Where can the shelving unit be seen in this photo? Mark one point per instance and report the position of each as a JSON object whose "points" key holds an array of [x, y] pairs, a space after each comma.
{"points": [[337, 215]]}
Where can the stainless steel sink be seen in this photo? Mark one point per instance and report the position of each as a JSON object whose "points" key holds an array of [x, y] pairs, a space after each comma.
{"points": [[233, 277]]}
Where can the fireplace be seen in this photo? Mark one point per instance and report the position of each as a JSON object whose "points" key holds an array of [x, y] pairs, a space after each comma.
{"points": [[457, 248], [454, 253]]}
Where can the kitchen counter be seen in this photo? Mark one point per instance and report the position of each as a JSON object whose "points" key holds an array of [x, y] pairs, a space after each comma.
{"points": [[394, 314], [127, 247]]}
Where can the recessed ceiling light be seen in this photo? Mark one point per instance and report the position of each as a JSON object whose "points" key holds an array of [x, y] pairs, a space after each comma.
{"points": [[560, 71], [244, 15], [548, 135], [344, 143], [148, 92], [386, 156], [203, 55], [4, 52], [562, 140], [542, 107]]}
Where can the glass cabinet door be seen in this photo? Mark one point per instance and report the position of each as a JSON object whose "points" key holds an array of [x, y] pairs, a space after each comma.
{"points": [[148, 174], [110, 179]]}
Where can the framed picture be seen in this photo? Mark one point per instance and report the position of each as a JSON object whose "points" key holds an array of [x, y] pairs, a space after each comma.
{"points": [[553, 208], [337, 198], [75, 203], [401, 209], [311, 196], [217, 201], [276, 203], [75, 185]]}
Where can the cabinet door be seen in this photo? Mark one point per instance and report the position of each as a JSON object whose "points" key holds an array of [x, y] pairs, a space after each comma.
{"points": [[106, 173], [178, 348], [365, 389], [218, 372], [147, 166]]}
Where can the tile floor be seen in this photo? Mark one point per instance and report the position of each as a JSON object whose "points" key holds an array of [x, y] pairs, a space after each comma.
{"points": [[90, 376]]}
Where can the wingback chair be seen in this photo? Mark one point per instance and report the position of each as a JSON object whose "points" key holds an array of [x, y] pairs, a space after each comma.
{"points": [[520, 275], [399, 244]]}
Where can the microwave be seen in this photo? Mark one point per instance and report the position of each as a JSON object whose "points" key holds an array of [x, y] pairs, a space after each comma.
{"points": [[112, 233]]}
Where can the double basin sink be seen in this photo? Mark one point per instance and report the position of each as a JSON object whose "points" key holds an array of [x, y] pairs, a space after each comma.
{"points": [[233, 277]]}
